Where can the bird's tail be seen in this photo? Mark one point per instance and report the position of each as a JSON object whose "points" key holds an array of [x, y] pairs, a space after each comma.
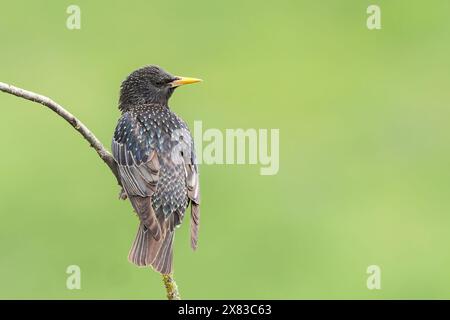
{"points": [[146, 251]]}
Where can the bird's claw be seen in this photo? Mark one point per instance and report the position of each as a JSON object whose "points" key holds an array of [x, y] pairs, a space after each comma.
{"points": [[122, 195]]}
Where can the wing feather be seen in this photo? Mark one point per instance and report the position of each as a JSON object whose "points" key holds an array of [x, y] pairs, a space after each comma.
{"points": [[159, 187], [193, 186]]}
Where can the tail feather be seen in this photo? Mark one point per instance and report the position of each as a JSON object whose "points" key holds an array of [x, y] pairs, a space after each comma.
{"points": [[140, 246], [164, 258], [147, 251]]}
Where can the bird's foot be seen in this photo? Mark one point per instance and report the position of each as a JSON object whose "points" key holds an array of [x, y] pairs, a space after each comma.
{"points": [[122, 195]]}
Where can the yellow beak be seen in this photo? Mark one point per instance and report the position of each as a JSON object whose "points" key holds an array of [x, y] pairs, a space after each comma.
{"points": [[184, 80]]}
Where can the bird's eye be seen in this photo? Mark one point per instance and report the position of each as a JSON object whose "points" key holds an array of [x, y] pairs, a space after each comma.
{"points": [[163, 82], [169, 80]]}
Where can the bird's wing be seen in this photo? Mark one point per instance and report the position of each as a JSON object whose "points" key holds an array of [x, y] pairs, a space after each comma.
{"points": [[193, 185], [157, 183], [139, 168]]}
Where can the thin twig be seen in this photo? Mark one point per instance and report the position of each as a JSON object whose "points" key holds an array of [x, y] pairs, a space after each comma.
{"points": [[70, 118], [105, 155], [171, 287]]}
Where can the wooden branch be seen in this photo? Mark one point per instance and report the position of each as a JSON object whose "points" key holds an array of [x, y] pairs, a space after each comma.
{"points": [[169, 281], [171, 287], [70, 118]]}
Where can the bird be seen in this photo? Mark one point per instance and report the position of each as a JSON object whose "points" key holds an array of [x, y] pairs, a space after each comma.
{"points": [[156, 164]]}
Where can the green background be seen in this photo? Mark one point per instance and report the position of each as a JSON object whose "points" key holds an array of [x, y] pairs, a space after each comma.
{"points": [[364, 147]]}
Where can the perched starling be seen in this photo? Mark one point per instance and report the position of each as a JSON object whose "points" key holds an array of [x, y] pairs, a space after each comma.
{"points": [[155, 154]]}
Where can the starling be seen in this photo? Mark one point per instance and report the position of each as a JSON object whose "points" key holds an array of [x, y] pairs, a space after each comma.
{"points": [[154, 151]]}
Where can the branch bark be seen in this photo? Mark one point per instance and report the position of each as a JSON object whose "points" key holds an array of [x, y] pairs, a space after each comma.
{"points": [[105, 155], [70, 118], [171, 287]]}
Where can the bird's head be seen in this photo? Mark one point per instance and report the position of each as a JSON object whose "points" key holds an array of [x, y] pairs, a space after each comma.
{"points": [[149, 85]]}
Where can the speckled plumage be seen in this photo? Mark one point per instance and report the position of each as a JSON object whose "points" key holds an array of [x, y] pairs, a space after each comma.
{"points": [[156, 161]]}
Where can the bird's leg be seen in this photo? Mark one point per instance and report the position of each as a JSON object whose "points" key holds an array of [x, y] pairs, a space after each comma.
{"points": [[122, 194]]}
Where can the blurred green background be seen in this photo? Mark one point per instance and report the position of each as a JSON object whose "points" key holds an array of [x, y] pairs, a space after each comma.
{"points": [[364, 147]]}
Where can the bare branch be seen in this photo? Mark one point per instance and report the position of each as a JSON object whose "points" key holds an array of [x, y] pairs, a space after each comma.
{"points": [[70, 118], [169, 281], [171, 287]]}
